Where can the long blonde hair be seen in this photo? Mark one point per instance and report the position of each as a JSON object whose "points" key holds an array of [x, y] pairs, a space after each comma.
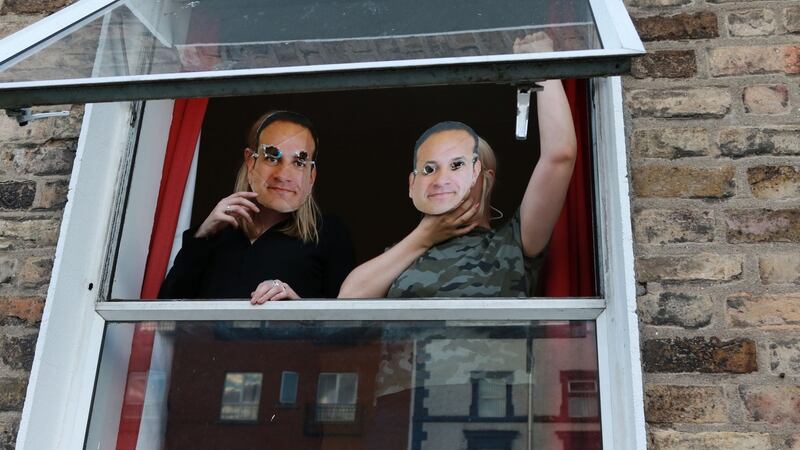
{"points": [[303, 222], [488, 162]]}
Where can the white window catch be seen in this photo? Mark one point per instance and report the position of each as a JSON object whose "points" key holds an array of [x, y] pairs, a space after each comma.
{"points": [[523, 109], [24, 115]]}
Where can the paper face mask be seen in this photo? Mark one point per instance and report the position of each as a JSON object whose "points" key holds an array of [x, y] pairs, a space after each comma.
{"points": [[446, 171]]}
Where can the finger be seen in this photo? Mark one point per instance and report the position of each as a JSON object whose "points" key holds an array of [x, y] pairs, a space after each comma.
{"points": [[469, 214], [464, 230], [280, 295], [241, 201], [239, 211], [222, 217], [266, 296], [260, 290]]}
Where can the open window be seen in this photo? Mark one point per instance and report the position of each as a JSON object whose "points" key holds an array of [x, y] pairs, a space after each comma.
{"points": [[133, 364]]}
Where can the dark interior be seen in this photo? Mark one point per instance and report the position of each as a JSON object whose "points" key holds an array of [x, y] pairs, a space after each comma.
{"points": [[366, 146]]}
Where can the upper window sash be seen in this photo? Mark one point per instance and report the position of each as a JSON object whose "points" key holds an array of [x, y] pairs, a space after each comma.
{"points": [[104, 50]]}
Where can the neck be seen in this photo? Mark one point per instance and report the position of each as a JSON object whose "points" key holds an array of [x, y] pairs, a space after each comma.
{"points": [[263, 221], [484, 222]]}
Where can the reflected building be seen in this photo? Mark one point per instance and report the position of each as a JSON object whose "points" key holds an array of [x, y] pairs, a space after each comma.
{"points": [[257, 385]]}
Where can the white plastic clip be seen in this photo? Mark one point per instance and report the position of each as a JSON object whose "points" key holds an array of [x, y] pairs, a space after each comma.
{"points": [[523, 110]]}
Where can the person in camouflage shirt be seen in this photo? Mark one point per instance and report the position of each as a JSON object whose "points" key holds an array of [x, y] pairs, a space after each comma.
{"points": [[454, 252]]}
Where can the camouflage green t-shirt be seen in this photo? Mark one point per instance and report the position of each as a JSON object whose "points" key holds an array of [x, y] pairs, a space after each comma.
{"points": [[482, 263]]}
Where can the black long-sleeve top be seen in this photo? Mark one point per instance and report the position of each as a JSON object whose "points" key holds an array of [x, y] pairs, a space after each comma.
{"points": [[227, 265]]}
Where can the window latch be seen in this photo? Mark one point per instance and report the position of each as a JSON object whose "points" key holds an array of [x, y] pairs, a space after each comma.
{"points": [[523, 109], [24, 115]]}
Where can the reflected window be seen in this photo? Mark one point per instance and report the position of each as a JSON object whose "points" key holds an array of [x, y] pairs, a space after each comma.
{"points": [[582, 401], [492, 394], [241, 396], [336, 397], [288, 394]]}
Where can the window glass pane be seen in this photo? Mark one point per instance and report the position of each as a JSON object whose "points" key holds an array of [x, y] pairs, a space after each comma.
{"points": [[388, 385], [138, 37], [289, 388]]}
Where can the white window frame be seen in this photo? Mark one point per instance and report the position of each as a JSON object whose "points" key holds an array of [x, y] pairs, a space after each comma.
{"points": [[67, 354]]}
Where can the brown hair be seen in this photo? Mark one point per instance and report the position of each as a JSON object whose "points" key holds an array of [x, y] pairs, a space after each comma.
{"points": [[303, 222], [488, 162]]}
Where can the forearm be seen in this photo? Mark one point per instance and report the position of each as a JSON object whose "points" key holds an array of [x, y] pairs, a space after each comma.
{"points": [[373, 278], [556, 129]]}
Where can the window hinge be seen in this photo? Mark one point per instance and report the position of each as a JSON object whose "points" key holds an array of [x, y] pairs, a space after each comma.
{"points": [[24, 115], [523, 109]]}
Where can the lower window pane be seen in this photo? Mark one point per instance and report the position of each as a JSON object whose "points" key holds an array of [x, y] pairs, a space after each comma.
{"points": [[353, 385]]}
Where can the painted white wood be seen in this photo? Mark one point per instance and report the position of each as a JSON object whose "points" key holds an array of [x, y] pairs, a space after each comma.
{"points": [[145, 184], [623, 401], [110, 388], [49, 26], [62, 376], [418, 309]]}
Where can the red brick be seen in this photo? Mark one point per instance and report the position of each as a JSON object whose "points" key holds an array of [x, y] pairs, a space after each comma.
{"points": [[748, 60], [28, 309]]}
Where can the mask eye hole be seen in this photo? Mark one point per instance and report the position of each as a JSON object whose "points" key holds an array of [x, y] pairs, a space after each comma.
{"points": [[455, 165], [271, 154], [428, 169]]}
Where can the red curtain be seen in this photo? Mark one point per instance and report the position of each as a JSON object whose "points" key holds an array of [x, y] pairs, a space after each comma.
{"points": [[187, 119]]}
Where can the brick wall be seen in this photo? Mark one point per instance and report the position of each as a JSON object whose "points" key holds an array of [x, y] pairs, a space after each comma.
{"points": [[35, 163], [712, 117], [714, 145]]}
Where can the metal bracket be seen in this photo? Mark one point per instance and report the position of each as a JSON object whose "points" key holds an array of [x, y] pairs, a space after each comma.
{"points": [[523, 109], [24, 115]]}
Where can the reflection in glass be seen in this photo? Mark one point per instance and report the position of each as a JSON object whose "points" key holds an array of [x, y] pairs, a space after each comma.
{"points": [[140, 37], [354, 385]]}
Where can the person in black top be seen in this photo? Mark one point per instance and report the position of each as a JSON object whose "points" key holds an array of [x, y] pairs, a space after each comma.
{"points": [[267, 240]]}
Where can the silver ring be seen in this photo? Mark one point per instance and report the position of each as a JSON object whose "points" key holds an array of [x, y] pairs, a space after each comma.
{"points": [[276, 283], [228, 208]]}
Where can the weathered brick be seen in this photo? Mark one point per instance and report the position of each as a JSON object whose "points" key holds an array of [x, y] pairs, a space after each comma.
{"points": [[665, 64], [763, 225], [8, 434], [684, 181], [12, 393], [35, 272], [51, 158], [728, 61], [698, 267], [784, 357], [52, 195], [20, 309], [772, 311], [791, 19], [699, 354], [777, 268], [766, 99], [16, 352], [755, 22], [28, 233], [17, 194], [8, 269], [666, 226], [674, 440], [32, 6], [684, 404], [670, 143], [705, 102], [702, 25], [793, 443], [676, 309], [774, 182], [656, 3], [772, 404], [746, 141]]}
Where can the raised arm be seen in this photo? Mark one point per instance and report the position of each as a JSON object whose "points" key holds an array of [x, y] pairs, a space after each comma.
{"points": [[547, 188], [374, 278]]}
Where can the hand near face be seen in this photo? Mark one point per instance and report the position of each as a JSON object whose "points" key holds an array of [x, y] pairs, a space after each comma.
{"points": [[533, 43], [271, 290], [458, 222], [239, 205]]}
